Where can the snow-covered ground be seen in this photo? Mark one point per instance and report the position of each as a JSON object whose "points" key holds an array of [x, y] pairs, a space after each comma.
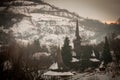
{"points": [[94, 76]]}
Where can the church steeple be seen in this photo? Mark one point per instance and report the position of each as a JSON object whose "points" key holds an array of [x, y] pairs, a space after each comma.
{"points": [[77, 41], [77, 31]]}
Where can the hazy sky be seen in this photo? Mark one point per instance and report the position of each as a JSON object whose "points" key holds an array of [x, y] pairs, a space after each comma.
{"points": [[104, 10]]}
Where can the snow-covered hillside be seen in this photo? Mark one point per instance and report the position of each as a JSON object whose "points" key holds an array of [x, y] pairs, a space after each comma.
{"points": [[50, 28], [32, 20]]}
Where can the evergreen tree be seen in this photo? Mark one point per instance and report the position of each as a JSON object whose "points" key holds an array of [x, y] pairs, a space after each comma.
{"points": [[37, 45], [106, 55], [66, 51]]}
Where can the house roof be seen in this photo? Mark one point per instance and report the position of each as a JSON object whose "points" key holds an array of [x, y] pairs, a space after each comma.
{"points": [[40, 54], [94, 60], [101, 65], [74, 60]]}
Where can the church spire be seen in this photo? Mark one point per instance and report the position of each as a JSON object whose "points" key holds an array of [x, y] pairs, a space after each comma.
{"points": [[77, 30], [77, 41]]}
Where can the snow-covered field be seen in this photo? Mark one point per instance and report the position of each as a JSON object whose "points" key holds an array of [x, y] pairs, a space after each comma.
{"points": [[94, 76]]}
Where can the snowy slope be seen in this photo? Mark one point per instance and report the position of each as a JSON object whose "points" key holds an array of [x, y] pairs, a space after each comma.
{"points": [[49, 29]]}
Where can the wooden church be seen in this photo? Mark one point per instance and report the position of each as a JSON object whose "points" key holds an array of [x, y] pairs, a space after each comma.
{"points": [[57, 70]]}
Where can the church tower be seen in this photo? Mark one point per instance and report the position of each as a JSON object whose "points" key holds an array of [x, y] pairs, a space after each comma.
{"points": [[77, 41], [77, 31]]}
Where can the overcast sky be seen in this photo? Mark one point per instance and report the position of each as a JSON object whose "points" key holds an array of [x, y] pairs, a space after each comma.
{"points": [[104, 10]]}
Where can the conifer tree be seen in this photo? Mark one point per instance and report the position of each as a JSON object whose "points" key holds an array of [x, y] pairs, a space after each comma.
{"points": [[106, 55], [66, 51], [37, 45]]}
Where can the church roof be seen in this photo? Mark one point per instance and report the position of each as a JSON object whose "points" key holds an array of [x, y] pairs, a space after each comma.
{"points": [[54, 66], [93, 54], [93, 57], [54, 73]]}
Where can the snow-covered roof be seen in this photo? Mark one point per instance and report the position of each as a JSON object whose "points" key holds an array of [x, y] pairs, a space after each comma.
{"points": [[94, 60], [54, 66], [39, 54], [93, 53], [53, 73], [101, 65], [74, 60]]}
